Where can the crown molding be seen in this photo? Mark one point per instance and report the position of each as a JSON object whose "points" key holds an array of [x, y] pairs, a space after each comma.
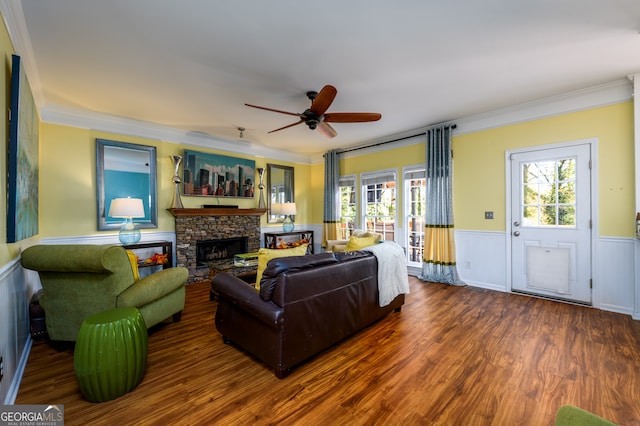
{"points": [[85, 119], [592, 97]]}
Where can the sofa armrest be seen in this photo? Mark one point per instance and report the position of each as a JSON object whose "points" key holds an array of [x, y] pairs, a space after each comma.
{"points": [[336, 245], [153, 287], [246, 298]]}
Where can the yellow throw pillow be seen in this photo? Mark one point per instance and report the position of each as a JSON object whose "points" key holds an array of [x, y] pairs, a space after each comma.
{"points": [[358, 243], [265, 255], [133, 259]]}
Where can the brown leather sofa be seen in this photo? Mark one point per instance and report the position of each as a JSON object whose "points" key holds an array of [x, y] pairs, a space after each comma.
{"points": [[305, 305]]}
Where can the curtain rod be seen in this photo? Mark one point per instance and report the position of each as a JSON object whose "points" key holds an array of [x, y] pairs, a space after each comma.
{"points": [[453, 126]]}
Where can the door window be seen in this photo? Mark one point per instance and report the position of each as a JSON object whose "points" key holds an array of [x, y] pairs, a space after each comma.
{"points": [[549, 193]]}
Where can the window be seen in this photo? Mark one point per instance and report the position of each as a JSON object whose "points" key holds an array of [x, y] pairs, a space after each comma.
{"points": [[348, 206], [415, 185], [549, 193], [379, 203]]}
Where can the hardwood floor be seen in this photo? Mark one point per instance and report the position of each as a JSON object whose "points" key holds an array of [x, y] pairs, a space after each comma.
{"points": [[453, 356]]}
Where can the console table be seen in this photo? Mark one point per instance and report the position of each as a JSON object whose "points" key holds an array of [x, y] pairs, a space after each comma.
{"points": [[274, 240]]}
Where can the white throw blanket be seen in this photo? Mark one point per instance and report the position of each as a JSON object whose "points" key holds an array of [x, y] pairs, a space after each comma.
{"points": [[392, 271]]}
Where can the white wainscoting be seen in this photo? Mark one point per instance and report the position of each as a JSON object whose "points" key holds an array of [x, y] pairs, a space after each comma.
{"points": [[15, 339], [613, 285], [482, 257]]}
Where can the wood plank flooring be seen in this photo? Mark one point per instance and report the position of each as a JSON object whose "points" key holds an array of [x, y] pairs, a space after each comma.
{"points": [[453, 356]]}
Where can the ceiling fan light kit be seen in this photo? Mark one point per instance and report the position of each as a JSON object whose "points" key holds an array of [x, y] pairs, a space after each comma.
{"points": [[316, 116]]}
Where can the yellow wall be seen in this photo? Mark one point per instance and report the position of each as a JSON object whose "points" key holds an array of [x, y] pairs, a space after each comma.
{"points": [[479, 166], [68, 182]]}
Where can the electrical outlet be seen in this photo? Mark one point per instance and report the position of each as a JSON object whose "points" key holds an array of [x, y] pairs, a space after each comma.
{"points": [[488, 215], [467, 264]]}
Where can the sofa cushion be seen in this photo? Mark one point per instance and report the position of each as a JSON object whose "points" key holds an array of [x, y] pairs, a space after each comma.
{"points": [[358, 243], [278, 266], [265, 255]]}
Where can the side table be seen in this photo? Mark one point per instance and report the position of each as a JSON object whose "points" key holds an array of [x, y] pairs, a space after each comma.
{"points": [[110, 354], [166, 246], [274, 240]]}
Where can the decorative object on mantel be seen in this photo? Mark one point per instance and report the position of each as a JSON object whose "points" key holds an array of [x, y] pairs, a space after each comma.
{"points": [[127, 208], [261, 202], [177, 202]]}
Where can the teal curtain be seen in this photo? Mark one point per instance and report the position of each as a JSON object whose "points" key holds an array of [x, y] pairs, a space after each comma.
{"points": [[439, 252], [331, 196]]}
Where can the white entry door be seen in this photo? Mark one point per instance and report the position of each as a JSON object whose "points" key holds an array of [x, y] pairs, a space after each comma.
{"points": [[551, 222]]}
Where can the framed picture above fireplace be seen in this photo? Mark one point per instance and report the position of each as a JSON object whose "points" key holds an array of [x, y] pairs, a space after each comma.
{"points": [[213, 175]]}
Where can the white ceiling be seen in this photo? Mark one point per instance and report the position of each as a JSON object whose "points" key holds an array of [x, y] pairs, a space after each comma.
{"points": [[192, 64]]}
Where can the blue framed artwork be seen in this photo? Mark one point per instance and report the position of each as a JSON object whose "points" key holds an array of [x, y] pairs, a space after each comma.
{"points": [[213, 175], [22, 173]]}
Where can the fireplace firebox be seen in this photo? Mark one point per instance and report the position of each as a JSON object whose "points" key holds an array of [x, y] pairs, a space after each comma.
{"points": [[219, 250]]}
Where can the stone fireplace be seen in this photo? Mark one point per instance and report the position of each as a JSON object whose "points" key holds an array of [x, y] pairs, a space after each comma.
{"points": [[194, 226]]}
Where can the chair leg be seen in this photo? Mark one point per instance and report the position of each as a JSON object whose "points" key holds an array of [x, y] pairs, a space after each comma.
{"points": [[177, 316]]}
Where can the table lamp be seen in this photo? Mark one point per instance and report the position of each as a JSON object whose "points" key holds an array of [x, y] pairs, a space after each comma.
{"points": [[288, 210], [127, 208]]}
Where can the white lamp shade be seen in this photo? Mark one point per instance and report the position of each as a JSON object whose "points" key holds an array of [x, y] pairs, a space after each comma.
{"points": [[276, 208], [288, 209], [126, 207]]}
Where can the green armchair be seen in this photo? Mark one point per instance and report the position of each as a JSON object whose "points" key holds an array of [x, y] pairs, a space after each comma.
{"points": [[82, 280]]}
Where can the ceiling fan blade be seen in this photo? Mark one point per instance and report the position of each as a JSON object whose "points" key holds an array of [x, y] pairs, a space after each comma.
{"points": [[323, 100], [327, 130], [351, 117], [286, 127], [274, 110]]}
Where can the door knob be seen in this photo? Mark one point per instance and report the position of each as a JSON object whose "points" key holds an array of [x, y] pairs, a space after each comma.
{"points": [[516, 223], [516, 234]]}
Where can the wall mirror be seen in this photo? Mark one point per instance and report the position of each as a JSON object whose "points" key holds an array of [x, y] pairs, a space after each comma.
{"points": [[125, 170], [280, 184]]}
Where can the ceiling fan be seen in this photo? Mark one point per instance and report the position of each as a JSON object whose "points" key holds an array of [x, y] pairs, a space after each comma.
{"points": [[316, 116]]}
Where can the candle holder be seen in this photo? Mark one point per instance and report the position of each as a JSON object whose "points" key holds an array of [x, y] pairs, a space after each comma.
{"points": [[177, 202], [261, 202]]}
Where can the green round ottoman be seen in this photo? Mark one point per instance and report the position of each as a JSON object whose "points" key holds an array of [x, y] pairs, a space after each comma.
{"points": [[110, 353]]}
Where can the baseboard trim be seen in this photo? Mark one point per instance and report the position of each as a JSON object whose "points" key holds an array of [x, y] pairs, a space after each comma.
{"points": [[17, 378]]}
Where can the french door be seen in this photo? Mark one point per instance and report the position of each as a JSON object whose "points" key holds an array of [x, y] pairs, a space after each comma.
{"points": [[551, 222]]}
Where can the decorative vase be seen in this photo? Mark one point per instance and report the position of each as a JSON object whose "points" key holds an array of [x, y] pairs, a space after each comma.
{"points": [[177, 202], [261, 202]]}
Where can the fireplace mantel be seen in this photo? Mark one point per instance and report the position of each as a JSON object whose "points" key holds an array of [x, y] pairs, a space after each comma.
{"points": [[216, 212]]}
